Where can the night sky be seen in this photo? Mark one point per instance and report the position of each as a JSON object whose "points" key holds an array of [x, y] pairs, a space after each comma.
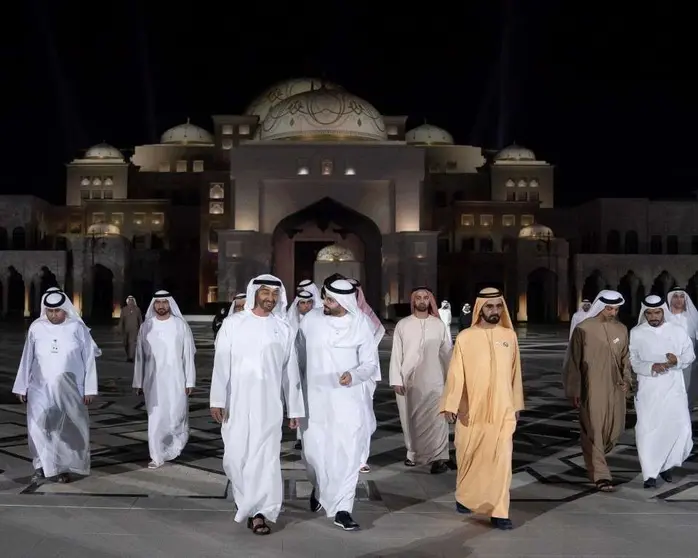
{"points": [[609, 97]]}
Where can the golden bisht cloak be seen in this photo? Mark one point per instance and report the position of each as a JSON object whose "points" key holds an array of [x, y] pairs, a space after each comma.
{"points": [[484, 387]]}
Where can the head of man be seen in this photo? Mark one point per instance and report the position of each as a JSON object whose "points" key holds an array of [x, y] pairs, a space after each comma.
{"points": [[162, 308], [305, 306], [56, 315], [491, 311], [678, 301], [130, 301], [586, 305], [421, 299], [609, 312], [265, 298], [466, 308], [654, 316], [238, 305], [331, 307]]}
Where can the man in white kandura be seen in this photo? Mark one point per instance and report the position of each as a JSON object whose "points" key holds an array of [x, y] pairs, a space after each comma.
{"points": [[445, 313], [254, 366], [57, 379], [303, 303], [370, 385], [580, 315], [418, 367], [165, 373], [659, 352], [340, 356], [683, 313]]}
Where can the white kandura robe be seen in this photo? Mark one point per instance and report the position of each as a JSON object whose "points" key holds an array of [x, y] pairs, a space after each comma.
{"points": [[334, 434], [419, 362], [370, 387], [663, 431], [164, 368], [682, 321], [254, 365], [56, 372]]}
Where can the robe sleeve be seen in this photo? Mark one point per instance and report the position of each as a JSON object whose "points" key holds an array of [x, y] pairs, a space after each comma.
{"points": [[455, 392], [291, 380], [139, 360], [396, 356], [625, 363], [517, 379], [572, 374], [640, 367], [88, 359], [687, 356], [446, 350], [188, 352], [122, 322], [222, 362], [368, 366], [25, 366]]}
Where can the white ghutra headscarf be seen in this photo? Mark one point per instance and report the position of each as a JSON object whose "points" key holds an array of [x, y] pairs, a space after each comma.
{"points": [[271, 282], [603, 299], [69, 309], [652, 301], [163, 295], [55, 298], [293, 314], [691, 312]]}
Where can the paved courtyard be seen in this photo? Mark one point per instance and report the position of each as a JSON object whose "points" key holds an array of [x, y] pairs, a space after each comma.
{"points": [[184, 509]]}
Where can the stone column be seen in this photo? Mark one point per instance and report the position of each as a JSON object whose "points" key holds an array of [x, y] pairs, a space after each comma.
{"points": [[417, 261], [36, 303], [118, 294], [563, 292], [391, 279], [27, 298], [522, 297]]}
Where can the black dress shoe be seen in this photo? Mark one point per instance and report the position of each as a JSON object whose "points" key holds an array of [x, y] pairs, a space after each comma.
{"points": [[299, 445], [501, 523], [38, 475], [460, 508], [315, 505], [344, 520], [439, 467], [667, 476], [650, 483], [410, 463]]}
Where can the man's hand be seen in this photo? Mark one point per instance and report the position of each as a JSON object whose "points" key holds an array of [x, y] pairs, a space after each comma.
{"points": [[576, 401], [219, 415], [294, 423], [22, 398], [138, 391], [88, 399], [189, 391], [659, 368], [400, 390], [625, 386], [671, 358], [516, 414], [450, 417], [345, 379]]}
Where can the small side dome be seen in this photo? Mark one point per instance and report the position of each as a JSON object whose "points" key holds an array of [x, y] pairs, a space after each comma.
{"points": [[515, 153], [187, 133], [536, 232], [103, 229], [104, 151], [426, 134]]}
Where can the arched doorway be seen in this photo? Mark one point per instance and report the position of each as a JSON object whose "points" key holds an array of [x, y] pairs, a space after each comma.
{"points": [[15, 294], [102, 293], [47, 279], [541, 296], [332, 223]]}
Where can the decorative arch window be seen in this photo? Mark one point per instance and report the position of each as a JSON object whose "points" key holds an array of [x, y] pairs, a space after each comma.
{"points": [[216, 191], [510, 183]]}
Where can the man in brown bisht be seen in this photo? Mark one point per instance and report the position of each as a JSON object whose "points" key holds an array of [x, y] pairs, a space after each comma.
{"points": [[596, 379], [483, 395], [129, 324]]}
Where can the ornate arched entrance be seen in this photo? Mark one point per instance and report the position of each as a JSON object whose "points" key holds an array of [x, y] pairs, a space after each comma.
{"points": [[541, 296], [102, 293], [299, 237]]}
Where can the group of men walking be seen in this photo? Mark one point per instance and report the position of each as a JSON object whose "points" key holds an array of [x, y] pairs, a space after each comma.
{"points": [[316, 362]]}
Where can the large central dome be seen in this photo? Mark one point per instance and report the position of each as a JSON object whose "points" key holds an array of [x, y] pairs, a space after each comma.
{"points": [[323, 114], [281, 91]]}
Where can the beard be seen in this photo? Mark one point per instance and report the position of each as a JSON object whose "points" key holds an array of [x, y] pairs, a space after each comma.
{"points": [[162, 311], [655, 323], [493, 319], [421, 306], [326, 311]]}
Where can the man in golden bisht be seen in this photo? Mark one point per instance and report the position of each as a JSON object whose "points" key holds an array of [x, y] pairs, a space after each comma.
{"points": [[596, 379], [483, 395]]}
